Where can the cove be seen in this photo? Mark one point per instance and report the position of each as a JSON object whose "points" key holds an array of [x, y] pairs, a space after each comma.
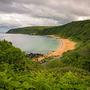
{"points": [[32, 43]]}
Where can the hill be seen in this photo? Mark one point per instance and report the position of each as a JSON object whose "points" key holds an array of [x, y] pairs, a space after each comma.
{"points": [[79, 30], [29, 30]]}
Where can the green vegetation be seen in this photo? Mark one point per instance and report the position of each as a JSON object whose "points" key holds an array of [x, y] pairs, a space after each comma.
{"points": [[70, 72], [10, 54], [18, 72], [79, 30], [29, 30]]}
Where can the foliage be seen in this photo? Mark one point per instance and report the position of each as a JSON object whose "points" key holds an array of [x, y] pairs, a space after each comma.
{"points": [[69, 72], [40, 80], [10, 54], [29, 30]]}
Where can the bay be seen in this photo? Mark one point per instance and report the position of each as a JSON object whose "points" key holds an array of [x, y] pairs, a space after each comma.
{"points": [[31, 43]]}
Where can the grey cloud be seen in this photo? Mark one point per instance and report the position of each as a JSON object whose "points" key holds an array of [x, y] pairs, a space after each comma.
{"points": [[62, 11]]}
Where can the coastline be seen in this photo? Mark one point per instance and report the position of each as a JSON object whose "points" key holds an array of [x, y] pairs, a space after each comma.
{"points": [[64, 46]]}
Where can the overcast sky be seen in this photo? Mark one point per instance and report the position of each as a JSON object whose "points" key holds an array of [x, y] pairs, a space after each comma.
{"points": [[42, 12]]}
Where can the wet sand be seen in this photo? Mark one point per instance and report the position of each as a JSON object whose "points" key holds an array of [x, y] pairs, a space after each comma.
{"points": [[64, 46]]}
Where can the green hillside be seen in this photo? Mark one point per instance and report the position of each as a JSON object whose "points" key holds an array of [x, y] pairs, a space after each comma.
{"points": [[18, 72], [28, 30], [69, 72], [79, 30]]}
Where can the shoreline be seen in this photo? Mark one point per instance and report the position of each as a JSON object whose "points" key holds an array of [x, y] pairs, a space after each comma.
{"points": [[64, 46]]}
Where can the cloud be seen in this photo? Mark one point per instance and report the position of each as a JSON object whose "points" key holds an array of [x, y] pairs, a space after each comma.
{"points": [[43, 12]]}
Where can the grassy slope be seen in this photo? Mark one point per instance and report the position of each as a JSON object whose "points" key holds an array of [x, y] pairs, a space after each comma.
{"points": [[79, 30], [17, 72], [29, 30]]}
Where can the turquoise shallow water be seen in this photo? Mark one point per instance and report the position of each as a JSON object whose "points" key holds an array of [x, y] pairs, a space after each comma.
{"points": [[32, 43]]}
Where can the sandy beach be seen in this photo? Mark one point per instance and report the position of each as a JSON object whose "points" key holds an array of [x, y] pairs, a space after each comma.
{"points": [[64, 46]]}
